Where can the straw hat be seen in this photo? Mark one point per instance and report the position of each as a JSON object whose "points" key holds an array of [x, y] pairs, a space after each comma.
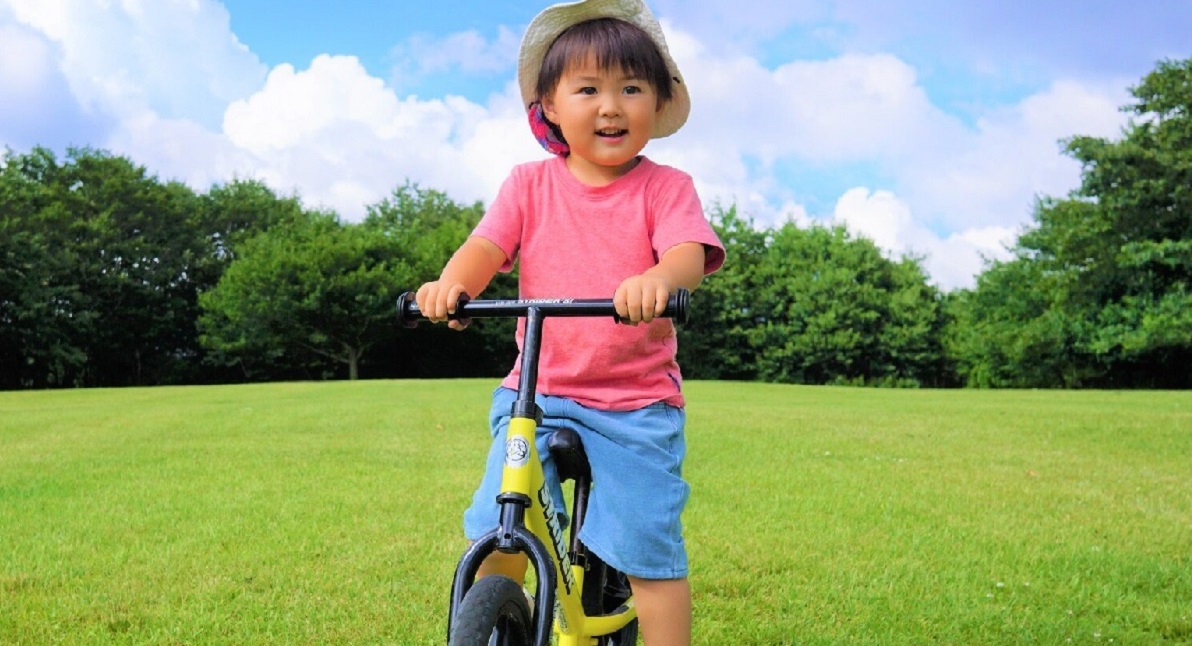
{"points": [[553, 21]]}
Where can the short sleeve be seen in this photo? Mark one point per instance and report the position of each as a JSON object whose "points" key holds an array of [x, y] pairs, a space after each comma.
{"points": [[678, 217], [502, 221]]}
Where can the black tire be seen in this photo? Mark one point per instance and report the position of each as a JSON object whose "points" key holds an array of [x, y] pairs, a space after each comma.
{"points": [[493, 605]]}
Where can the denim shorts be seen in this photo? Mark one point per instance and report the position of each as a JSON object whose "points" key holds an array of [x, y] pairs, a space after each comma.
{"points": [[638, 491]]}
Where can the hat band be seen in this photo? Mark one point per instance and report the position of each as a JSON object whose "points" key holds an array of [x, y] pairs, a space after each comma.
{"points": [[547, 133]]}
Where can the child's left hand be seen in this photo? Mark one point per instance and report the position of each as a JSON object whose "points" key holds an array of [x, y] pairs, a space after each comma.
{"points": [[641, 298]]}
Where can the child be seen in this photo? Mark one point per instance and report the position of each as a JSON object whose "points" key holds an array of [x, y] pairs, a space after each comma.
{"points": [[594, 220]]}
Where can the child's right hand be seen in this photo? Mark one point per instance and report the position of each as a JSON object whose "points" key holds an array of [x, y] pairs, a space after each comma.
{"points": [[437, 299]]}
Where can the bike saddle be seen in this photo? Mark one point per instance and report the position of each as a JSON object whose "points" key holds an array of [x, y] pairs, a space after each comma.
{"points": [[568, 451]]}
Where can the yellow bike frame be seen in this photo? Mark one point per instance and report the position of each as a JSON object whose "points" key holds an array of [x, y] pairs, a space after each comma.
{"points": [[523, 475]]}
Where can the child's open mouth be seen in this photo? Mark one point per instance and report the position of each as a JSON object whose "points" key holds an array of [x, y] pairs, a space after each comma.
{"points": [[612, 133]]}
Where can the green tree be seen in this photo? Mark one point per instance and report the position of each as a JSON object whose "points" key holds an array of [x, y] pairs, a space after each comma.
{"points": [[313, 292], [426, 227], [1007, 333], [234, 212], [304, 293], [831, 309], [102, 267], [1098, 293], [230, 215]]}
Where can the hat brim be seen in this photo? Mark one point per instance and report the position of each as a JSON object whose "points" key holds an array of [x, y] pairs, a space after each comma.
{"points": [[553, 21]]}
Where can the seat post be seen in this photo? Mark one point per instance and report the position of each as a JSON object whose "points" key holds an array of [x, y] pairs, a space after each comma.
{"points": [[583, 485]]}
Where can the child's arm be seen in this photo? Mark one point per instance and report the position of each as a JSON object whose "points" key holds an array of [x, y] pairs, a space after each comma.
{"points": [[469, 271], [641, 298]]}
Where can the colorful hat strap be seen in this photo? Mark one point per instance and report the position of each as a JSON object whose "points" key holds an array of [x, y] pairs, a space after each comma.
{"points": [[547, 133]]}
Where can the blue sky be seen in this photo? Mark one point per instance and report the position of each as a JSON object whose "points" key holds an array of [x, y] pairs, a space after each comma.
{"points": [[929, 126]]}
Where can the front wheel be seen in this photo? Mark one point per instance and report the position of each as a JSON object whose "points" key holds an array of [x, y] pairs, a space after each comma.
{"points": [[494, 611]]}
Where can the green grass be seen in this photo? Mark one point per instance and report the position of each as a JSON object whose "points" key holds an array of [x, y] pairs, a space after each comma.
{"points": [[328, 513]]}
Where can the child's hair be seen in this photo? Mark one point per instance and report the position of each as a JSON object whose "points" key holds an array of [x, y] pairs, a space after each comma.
{"points": [[615, 44]]}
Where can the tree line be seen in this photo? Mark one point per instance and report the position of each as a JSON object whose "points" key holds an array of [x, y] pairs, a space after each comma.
{"points": [[111, 277]]}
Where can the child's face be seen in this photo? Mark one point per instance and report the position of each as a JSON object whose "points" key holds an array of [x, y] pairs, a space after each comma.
{"points": [[606, 116]]}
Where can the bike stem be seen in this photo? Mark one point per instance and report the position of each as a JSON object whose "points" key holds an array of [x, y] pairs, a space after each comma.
{"points": [[527, 386]]}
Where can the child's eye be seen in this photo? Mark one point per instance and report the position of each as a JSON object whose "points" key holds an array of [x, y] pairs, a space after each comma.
{"points": [[589, 90], [633, 89]]}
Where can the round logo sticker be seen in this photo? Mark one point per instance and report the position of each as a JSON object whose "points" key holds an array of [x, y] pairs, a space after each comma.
{"points": [[517, 452]]}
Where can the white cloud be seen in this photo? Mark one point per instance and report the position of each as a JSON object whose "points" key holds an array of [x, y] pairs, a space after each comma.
{"points": [[175, 90], [27, 79], [183, 150], [25, 63], [951, 261], [849, 108], [469, 51], [952, 191], [36, 104], [879, 216], [853, 107], [992, 174], [345, 139], [294, 106], [967, 197], [179, 58], [738, 27]]}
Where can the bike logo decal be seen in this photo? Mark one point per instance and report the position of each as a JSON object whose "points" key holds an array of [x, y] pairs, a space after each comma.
{"points": [[517, 452], [551, 517], [535, 301]]}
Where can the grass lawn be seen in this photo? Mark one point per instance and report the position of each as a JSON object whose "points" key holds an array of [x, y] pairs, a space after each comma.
{"points": [[328, 513]]}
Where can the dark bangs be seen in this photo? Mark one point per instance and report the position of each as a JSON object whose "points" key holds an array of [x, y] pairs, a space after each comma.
{"points": [[615, 44]]}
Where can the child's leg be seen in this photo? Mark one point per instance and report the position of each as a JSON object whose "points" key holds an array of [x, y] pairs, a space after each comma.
{"points": [[510, 565], [633, 520], [663, 610]]}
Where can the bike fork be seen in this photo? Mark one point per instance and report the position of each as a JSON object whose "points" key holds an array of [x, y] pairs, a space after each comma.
{"points": [[519, 539]]}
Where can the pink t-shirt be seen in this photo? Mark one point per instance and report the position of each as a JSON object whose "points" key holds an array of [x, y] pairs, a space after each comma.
{"points": [[572, 240]]}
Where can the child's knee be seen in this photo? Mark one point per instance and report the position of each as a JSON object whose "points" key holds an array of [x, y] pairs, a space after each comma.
{"points": [[510, 565]]}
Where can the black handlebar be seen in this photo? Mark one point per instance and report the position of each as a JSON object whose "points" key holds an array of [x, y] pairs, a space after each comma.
{"points": [[408, 314]]}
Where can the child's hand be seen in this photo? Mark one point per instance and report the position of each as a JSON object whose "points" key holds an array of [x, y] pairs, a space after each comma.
{"points": [[437, 299], [641, 298]]}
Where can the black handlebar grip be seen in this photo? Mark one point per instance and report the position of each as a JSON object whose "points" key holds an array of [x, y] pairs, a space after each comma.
{"points": [[679, 306], [462, 300], [676, 307], [407, 314]]}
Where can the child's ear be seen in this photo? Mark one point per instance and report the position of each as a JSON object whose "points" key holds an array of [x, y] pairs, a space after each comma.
{"points": [[548, 110]]}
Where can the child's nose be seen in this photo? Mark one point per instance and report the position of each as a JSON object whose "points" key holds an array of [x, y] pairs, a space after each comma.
{"points": [[610, 106]]}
